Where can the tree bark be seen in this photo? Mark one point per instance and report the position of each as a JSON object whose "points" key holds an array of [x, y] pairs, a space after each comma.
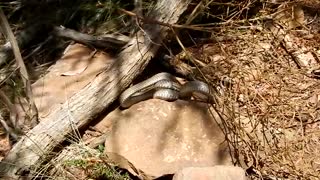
{"points": [[33, 149], [113, 43]]}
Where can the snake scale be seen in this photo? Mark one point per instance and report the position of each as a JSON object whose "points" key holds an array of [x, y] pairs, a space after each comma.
{"points": [[162, 86]]}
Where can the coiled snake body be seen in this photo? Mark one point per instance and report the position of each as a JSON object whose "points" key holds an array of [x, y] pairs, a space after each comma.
{"points": [[162, 86]]}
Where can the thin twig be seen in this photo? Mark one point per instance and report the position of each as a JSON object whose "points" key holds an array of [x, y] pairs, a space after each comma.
{"points": [[23, 70], [13, 111], [152, 21], [138, 7], [8, 129]]}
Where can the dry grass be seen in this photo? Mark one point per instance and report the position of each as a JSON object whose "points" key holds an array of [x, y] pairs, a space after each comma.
{"points": [[274, 119]]}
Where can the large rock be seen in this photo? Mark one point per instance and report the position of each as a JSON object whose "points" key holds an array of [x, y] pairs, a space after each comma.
{"points": [[211, 173], [162, 137]]}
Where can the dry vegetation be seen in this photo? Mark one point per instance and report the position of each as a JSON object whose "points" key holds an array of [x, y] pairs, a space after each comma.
{"points": [[269, 90]]}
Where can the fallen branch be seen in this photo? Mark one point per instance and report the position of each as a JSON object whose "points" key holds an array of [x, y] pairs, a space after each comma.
{"points": [[112, 43], [288, 44]]}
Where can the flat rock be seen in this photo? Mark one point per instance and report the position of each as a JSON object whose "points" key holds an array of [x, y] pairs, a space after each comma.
{"points": [[211, 173], [162, 137], [73, 71]]}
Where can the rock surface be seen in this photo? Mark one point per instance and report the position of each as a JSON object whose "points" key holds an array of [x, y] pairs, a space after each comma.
{"points": [[211, 173], [77, 68], [162, 137]]}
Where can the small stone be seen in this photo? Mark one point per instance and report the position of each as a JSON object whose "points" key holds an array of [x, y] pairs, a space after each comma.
{"points": [[211, 173]]}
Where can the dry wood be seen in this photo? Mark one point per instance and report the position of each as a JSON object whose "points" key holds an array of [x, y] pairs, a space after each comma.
{"points": [[22, 67], [114, 43], [33, 149], [297, 52]]}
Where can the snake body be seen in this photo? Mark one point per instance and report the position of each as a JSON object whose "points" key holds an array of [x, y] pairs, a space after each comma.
{"points": [[162, 86]]}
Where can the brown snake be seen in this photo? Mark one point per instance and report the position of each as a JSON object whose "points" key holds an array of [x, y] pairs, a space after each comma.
{"points": [[162, 86]]}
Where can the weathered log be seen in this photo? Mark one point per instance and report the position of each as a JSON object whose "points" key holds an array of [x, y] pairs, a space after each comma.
{"points": [[33, 149], [112, 43]]}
